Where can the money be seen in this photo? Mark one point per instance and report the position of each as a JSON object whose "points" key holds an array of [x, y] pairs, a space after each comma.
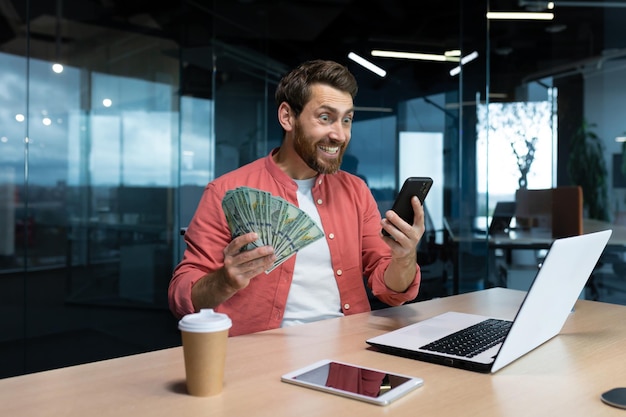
{"points": [[276, 221]]}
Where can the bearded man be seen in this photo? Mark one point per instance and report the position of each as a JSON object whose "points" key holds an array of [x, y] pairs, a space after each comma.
{"points": [[326, 278]]}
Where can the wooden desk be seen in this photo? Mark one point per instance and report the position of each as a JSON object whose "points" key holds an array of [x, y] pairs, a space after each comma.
{"points": [[564, 377]]}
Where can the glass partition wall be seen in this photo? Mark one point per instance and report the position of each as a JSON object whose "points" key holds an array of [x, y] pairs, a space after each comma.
{"points": [[113, 120], [114, 117], [89, 137], [555, 79]]}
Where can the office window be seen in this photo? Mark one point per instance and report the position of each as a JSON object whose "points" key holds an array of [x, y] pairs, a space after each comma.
{"points": [[515, 148]]}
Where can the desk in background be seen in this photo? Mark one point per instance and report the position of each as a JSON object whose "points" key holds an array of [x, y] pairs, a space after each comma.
{"points": [[565, 376], [530, 239]]}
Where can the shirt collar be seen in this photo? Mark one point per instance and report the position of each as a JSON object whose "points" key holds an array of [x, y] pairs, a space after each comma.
{"points": [[280, 176]]}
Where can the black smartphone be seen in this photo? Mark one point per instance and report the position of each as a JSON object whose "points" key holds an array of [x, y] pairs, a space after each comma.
{"points": [[615, 397], [419, 186]]}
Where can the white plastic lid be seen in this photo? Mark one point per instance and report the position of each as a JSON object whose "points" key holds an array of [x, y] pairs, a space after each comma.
{"points": [[206, 320]]}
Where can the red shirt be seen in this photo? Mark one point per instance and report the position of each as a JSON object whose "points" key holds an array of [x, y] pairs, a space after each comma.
{"points": [[351, 221]]}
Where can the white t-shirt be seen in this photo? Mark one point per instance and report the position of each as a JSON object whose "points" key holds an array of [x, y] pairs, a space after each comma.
{"points": [[313, 294]]}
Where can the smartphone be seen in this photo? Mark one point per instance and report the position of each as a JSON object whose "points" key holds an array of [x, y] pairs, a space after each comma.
{"points": [[419, 186], [615, 397], [353, 381]]}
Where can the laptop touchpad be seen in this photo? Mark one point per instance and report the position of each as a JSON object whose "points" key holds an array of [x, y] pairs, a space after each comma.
{"points": [[427, 331]]}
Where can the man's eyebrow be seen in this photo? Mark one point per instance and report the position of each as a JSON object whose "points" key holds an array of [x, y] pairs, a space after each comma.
{"points": [[334, 109]]}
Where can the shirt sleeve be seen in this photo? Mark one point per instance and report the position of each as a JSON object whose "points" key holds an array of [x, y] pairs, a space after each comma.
{"points": [[375, 264], [206, 237]]}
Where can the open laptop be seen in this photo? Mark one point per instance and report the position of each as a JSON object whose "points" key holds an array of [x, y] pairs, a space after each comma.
{"points": [[499, 222], [550, 299], [502, 215]]}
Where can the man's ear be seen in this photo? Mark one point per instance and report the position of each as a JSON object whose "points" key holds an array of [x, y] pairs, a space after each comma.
{"points": [[286, 116]]}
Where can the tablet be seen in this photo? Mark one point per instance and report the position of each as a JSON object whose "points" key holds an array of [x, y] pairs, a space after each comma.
{"points": [[353, 381]]}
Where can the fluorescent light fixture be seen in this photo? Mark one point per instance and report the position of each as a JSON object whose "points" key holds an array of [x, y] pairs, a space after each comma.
{"points": [[536, 5], [414, 55], [366, 64], [620, 139], [453, 52], [519, 16], [467, 58]]}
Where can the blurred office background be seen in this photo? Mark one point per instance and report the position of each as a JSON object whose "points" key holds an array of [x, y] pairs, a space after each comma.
{"points": [[115, 114]]}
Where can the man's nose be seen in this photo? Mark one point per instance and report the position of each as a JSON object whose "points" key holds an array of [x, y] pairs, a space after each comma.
{"points": [[339, 132]]}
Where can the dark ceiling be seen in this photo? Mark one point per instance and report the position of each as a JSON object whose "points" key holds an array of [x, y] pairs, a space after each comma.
{"points": [[291, 31]]}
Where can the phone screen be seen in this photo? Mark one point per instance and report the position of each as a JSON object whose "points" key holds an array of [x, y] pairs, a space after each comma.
{"points": [[354, 381]]}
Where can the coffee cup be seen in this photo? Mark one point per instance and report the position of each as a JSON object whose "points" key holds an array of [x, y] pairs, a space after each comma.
{"points": [[204, 336]]}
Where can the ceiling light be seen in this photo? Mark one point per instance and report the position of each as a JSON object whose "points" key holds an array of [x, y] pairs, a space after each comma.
{"points": [[620, 139], [519, 16], [536, 5], [414, 55], [555, 28], [366, 64], [467, 58], [453, 52], [503, 50], [455, 71]]}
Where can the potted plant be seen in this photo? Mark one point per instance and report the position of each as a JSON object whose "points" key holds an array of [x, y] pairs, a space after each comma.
{"points": [[586, 167]]}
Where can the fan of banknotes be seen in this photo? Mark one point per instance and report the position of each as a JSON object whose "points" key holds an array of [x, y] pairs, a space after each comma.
{"points": [[277, 222]]}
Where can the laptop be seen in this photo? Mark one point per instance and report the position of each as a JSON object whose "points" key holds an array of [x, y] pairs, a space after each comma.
{"points": [[499, 223], [543, 312], [502, 215]]}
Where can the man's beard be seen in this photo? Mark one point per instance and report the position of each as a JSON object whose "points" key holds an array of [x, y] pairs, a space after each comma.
{"points": [[307, 150]]}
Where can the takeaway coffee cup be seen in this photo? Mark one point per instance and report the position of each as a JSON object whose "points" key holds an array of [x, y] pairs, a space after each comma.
{"points": [[204, 336]]}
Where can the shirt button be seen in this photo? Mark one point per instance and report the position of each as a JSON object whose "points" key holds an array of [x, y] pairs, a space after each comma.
{"points": [[319, 201], [339, 272], [320, 181], [346, 306], [331, 235]]}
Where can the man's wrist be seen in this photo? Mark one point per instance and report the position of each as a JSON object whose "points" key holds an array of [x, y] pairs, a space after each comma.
{"points": [[405, 261]]}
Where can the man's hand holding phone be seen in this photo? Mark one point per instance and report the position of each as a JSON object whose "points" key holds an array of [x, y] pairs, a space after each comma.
{"points": [[405, 209], [405, 225], [396, 229]]}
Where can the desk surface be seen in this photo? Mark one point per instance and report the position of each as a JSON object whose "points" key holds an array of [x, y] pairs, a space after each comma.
{"points": [[565, 376]]}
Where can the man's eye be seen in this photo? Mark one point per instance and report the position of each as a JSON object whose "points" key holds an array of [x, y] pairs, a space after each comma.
{"points": [[324, 117], [347, 120]]}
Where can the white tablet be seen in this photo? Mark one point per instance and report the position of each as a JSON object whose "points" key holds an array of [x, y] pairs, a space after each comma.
{"points": [[353, 381]]}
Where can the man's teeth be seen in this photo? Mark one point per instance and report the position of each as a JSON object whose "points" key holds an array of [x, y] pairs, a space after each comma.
{"points": [[330, 149]]}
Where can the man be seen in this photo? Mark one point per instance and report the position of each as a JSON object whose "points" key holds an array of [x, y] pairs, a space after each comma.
{"points": [[325, 278]]}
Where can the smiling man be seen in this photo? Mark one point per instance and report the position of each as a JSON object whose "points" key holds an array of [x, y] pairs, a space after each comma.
{"points": [[324, 279]]}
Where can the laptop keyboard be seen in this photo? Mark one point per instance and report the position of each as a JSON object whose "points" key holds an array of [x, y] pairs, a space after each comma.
{"points": [[473, 340]]}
